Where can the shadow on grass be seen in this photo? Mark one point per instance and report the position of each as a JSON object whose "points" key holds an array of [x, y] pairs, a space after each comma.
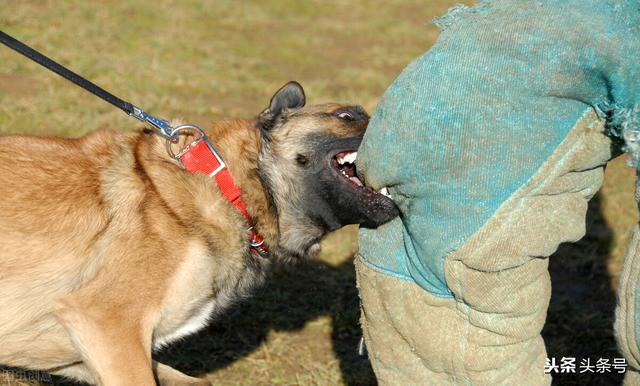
{"points": [[581, 313], [294, 295], [579, 323]]}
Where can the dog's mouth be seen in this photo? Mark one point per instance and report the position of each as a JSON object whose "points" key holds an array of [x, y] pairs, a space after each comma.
{"points": [[356, 202], [345, 163]]}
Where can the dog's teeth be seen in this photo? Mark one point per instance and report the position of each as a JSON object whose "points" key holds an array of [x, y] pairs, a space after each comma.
{"points": [[385, 192], [351, 157], [346, 158], [356, 180]]}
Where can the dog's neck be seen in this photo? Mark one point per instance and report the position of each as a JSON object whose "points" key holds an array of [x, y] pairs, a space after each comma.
{"points": [[238, 142]]}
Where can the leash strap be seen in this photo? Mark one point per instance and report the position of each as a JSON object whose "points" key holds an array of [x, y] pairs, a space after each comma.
{"points": [[163, 126], [197, 157]]}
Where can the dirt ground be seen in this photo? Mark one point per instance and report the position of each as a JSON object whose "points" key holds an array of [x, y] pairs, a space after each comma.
{"points": [[204, 60]]}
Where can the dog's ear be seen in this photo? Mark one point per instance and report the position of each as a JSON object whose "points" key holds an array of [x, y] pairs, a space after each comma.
{"points": [[289, 97]]}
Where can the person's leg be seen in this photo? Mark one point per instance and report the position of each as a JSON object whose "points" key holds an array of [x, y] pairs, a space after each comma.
{"points": [[489, 332], [627, 324], [626, 314], [491, 144]]}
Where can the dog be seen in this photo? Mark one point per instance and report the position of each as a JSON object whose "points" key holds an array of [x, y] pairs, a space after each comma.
{"points": [[109, 250]]}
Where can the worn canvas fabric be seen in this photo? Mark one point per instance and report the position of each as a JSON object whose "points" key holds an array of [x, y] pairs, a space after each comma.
{"points": [[627, 325], [489, 332], [491, 143]]}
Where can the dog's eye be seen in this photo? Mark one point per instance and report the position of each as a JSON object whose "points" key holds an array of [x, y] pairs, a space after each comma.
{"points": [[346, 116], [301, 159]]}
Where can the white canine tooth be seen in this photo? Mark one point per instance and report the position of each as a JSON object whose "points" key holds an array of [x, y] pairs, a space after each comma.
{"points": [[351, 157], [385, 192]]}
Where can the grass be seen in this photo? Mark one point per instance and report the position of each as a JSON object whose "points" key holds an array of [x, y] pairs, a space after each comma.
{"points": [[202, 61]]}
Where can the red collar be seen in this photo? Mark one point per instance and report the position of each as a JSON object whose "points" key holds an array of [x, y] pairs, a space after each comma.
{"points": [[201, 157]]}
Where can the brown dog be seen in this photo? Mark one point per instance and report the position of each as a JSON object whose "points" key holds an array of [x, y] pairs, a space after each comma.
{"points": [[108, 249]]}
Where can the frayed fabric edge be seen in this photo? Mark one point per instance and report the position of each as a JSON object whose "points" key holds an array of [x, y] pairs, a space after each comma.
{"points": [[624, 124], [445, 21]]}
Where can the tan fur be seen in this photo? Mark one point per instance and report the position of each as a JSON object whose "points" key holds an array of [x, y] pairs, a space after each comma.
{"points": [[107, 248], [287, 143]]}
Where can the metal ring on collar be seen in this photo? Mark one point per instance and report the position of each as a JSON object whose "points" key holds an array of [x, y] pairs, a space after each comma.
{"points": [[175, 133], [252, 242]]}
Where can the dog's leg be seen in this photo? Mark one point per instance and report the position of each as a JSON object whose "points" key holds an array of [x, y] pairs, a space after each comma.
{"points": [[168, 376], [110, 321], [111, 346]]}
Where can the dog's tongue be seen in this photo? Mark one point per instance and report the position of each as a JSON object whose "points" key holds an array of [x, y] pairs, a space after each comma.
{"points": [[355, 180]]}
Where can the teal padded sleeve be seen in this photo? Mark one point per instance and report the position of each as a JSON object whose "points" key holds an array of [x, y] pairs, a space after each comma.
{"points": [[470, 121]]}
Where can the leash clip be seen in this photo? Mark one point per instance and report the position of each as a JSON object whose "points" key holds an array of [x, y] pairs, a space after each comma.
{"points": [[161, 125]]}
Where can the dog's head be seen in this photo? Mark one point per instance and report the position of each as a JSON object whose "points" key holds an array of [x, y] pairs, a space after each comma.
{"points": [[307, 162]]}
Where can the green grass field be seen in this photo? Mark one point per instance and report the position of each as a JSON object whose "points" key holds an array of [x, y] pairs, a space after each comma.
{"points": [[204, 60]]}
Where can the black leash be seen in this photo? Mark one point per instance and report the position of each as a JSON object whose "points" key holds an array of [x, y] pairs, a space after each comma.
{"points": [[163, 126], [198, 157]]}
